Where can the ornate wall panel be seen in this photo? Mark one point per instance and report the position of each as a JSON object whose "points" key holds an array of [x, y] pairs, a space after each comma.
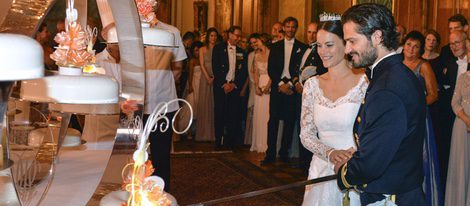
{"points": [[164, 11], [402, 11], [269, 14], [223, 14]]}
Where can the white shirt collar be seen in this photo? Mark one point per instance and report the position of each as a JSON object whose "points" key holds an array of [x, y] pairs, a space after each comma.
{"points": [[462, 61], [230, 45], [377, 62], [289, 41]]}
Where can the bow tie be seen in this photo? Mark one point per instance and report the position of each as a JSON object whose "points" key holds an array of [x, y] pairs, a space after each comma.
{"points": [[285, 80]]}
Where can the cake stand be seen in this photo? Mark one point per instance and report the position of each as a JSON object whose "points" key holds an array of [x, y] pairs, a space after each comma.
{"points": [[13, 68]]}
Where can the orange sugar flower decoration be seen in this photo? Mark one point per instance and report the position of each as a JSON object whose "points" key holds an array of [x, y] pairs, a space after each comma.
{"points": [[146, 10], [72, 47]]}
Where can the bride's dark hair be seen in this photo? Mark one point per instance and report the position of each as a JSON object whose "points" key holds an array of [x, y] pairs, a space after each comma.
{"points": [[333, 26]]}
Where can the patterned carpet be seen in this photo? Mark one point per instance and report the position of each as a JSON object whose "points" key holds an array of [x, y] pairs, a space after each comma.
{"points": [[202, 177]]}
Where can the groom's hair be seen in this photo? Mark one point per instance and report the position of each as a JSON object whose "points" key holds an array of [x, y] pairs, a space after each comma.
{"points": [[372, 17]]}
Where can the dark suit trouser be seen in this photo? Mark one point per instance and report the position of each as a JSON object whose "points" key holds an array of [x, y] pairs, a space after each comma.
{"points": [[227, 117], [446, 122], [281, 107], [160, 148], [75, 123]]}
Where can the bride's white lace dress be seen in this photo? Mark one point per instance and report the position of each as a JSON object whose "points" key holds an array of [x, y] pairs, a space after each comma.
{"points": [[327, 124]]}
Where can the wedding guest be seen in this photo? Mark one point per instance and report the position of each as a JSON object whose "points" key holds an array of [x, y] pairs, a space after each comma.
{"points": [[245, 91], [250, 103], [205, 116], [283, 69], [433, 39], [401, 36], [42, 36], [268, 37], [194, 79], [431, 54], [243, 44], [281, 35], [457, 22], [455, 65], [275, 29], [262, 87], [413, 50], [230, 73], [194, 76], [311, 57], [188, 39], [458, 176], [197, 36]]}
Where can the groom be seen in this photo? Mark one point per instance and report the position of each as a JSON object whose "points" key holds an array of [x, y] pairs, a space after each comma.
{"points": [[390, 127]]}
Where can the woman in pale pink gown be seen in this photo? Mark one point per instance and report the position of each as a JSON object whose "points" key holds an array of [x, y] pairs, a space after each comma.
{"points": [[262, 87]]}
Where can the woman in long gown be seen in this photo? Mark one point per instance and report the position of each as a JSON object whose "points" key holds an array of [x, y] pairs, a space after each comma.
{"points": [[412, 51], [205, 116], [251, 100], [330, 103], [458, 176], [262, 88], [192, 96], [431, 54]]}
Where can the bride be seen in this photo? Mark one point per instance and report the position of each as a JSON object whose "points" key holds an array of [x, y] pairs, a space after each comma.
{"points": [[330, 104]]}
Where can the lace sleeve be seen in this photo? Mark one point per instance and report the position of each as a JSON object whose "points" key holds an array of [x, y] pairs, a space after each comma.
{"points": [[308, 129]]}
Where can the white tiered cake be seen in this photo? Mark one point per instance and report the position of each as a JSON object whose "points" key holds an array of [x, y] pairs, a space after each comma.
{"points": [[24, 60], [79, 89]]}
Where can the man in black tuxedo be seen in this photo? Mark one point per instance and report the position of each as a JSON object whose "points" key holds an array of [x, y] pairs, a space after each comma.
{"points": [[457, 22], [390, 127], [310, 56], [283, 68], [230, 73], [455, 64], [446, 77]]}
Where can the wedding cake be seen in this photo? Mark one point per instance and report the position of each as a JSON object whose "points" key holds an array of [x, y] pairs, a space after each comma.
{"points": [[77, 89]]}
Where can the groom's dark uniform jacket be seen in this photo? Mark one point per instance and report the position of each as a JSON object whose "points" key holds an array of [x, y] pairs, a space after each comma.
{"points": [[389, 132]]}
